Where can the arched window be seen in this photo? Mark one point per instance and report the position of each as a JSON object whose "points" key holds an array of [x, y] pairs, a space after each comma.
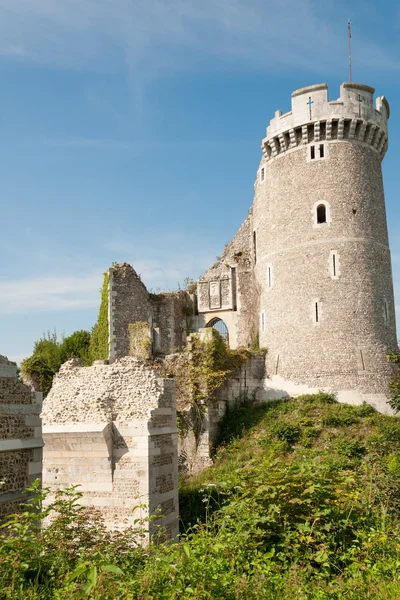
{"points": [[221, 327], [321, 214]]}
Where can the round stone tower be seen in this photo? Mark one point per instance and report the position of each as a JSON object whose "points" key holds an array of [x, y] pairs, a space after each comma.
{"points": [[320, 245]]}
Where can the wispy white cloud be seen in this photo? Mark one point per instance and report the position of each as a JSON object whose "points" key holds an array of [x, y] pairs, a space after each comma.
{"points": [[153, 36], [77, 292], [49, 293]]}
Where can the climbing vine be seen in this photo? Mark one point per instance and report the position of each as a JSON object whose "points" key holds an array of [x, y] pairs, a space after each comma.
{"points": [[139, 340], [99, 349], [199, 372]]}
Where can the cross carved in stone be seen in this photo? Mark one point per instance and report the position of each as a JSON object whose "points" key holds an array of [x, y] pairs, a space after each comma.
{"points": [[359, 104], [309, 104]]}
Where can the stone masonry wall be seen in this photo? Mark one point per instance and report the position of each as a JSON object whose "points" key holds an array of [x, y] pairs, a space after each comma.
{"points": [[228, 290], [168, 314], [128, 303], [327, 311], [20, 438], [111, 428], [248, 382]]}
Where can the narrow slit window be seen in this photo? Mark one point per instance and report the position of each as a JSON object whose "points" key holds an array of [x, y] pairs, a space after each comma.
{"points": [[269, 276], [312, 152], [255, 246], [321, 151], [334, 264], [263, 322], [316, 313], [385, 305], [362, 360], [321, 214], [262, 177]]}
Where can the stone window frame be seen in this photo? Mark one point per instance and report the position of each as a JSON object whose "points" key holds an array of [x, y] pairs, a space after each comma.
{"points": [[262, 321], [270, 276], [262, 174], [385, 311], [316, 312], [334, 264], [315, 147], [314, 213]]}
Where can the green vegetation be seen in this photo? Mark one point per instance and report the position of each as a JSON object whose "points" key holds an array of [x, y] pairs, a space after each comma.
{"points": [[99, 340], [292, 508], [394, 402], [203, 367], [49, 354], [140, 340]]}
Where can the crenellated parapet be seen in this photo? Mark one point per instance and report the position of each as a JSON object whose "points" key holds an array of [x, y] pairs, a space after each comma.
{"points": [[314, 118]]}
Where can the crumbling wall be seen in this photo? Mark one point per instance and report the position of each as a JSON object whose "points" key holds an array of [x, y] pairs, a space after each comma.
{"points": [[246, 383], [172, 320], [128, 303], [167, 314], [227, 290], [111, 428], [20, 438]]}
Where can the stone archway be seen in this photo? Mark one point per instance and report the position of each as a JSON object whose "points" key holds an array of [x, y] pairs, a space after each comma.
{"points": [[221, 327]]}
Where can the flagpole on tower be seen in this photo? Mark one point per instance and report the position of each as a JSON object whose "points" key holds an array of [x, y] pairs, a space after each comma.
{"points": [[349, 45]]}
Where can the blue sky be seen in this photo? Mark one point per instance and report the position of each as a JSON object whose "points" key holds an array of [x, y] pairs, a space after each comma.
{"points": [[130, 131]]}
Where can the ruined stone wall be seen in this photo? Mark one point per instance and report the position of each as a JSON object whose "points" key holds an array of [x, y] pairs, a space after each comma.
{"points": [[227, 290], [111, 428], [168, 314], [171, 320], [246, 383], [128, 303], [20, 438]]}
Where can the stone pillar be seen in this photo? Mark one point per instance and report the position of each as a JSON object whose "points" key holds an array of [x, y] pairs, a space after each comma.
{"points": [[20, 438], [111, 429]]}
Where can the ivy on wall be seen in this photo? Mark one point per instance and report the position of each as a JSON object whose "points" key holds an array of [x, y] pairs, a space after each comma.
{"points": [[140, 340], [99, 349], [199, 371]]}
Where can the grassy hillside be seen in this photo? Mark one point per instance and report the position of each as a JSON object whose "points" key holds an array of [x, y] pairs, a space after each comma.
{"points": [[302, 502]]}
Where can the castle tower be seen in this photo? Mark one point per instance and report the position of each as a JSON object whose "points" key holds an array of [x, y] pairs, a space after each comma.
{"points": [[320, 245]]}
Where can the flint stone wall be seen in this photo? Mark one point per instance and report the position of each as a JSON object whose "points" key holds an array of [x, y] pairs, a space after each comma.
{"points": [[247, 383], [111, 428], [168, 314], [228, 291], [20, 438]]}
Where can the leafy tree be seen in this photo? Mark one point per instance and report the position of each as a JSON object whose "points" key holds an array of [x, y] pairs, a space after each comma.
{"points": [[49, 354], [76, 346]]}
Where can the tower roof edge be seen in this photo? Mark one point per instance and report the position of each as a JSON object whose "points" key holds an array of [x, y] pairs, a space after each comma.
{"points": [[310, 88]]}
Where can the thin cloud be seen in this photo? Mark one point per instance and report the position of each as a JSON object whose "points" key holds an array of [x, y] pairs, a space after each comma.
{"points": [[49, 294], [155, 36]]}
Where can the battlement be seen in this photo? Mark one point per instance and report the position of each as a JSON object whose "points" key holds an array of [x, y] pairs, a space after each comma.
{"points": [[314, 118]]}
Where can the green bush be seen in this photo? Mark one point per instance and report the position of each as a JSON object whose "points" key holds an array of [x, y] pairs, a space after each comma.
{"points": [[288, 432], [320, 399], [340, 418], [350, 448], [49, 354]]}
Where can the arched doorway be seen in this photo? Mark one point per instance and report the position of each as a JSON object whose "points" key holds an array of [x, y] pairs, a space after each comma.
{"points": [[221, 327]]}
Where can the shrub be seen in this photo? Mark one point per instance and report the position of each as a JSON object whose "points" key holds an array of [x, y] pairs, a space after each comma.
{"points": [[350, 448], [287, 432], [320, 399], [340, 418]]}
